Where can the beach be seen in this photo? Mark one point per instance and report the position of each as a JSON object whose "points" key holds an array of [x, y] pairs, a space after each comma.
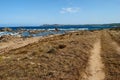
{"points": [[79, 55]]}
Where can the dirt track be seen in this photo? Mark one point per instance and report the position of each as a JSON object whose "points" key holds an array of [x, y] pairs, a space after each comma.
{"points": [[95, 63], [104, 60], [116, 46], [110, 56]]}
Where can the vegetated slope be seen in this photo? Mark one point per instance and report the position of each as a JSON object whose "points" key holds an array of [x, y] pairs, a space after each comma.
{"points": [[63, 57], [111, 57]]}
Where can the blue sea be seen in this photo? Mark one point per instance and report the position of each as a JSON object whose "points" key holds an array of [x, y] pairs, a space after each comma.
{"points": [[65, 27], [50, 29]]}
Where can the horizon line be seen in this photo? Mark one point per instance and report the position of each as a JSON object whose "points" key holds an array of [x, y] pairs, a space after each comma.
{"points": [[19, 25]]}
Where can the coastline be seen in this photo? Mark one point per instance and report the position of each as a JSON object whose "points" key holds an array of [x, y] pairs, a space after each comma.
{"points": [[18, 42]]}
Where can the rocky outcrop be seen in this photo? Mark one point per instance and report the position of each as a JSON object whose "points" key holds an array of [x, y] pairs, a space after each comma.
{"points": [[6, 29]]}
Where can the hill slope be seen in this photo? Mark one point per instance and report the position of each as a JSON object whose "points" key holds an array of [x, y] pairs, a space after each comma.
{"points": [[64, 57]]}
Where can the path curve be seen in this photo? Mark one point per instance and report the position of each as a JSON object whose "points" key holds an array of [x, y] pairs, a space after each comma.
{"points": [[5, 47]]}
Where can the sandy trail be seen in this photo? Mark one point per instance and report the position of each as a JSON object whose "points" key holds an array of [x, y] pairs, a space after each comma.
{"points": [[116, 46], [114, 43], [5, 47], [95, 63]]}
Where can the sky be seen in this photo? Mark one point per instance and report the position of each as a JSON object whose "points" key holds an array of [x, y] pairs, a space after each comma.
{"points": [[38, 12]]}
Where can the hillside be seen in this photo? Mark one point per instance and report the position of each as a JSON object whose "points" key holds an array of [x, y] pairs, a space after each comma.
{"points": [[83, 55]]}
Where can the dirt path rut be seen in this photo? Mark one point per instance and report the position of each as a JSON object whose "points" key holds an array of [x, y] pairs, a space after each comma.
{"points": [[116, 46], [95, 63]]}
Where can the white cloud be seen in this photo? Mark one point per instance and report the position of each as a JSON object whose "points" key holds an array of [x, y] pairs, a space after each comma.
{"points": [[70, 10]]}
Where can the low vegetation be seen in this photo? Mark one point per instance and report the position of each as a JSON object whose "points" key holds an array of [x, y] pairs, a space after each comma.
{"points": [[63, 57]]}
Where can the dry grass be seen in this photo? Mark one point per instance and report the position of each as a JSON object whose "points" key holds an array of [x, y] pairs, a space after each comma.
{"points": [[63, 57]]}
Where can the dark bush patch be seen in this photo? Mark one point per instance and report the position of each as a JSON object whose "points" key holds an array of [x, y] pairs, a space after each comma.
{"points": [[77, 34], [52, 50], [62, 46]]}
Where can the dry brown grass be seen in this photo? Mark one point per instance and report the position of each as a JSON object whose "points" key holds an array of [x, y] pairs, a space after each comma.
{"points": [[63, 57]]}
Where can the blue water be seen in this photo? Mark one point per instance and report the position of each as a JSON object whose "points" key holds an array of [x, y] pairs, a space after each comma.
{"points": [[50, 29], [67, 27]]}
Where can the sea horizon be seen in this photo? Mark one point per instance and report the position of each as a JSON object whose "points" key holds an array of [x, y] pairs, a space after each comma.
{"points": [[38, 25]]}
